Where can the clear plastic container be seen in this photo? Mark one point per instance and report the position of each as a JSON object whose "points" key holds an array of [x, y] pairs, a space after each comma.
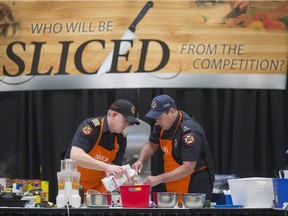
{"points": [[68, 165]]}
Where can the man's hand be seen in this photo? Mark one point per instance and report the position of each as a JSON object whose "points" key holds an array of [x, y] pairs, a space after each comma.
{"points": [[115, 170], [153, 180], [138, 166], [242, 5], [243, 20]]}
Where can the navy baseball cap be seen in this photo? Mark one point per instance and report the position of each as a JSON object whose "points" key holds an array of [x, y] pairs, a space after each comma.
{"points": [[127, 109], [160, 104]]}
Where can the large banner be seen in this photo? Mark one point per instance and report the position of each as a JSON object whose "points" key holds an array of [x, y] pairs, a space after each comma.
{"points": [[143, 44]]}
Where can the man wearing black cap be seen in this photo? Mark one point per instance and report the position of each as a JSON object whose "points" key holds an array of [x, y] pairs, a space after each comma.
{"points": [[99, 144], [188, 165]]}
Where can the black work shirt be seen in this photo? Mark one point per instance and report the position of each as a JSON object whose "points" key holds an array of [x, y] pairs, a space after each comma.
{"points": [[88, 133], [188, 141]]}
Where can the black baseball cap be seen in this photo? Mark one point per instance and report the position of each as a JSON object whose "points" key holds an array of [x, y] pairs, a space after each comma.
{"points": [[127, 109], [160, 104]]}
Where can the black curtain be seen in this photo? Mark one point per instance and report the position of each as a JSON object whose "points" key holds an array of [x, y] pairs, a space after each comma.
{"points": [[246, 129]]}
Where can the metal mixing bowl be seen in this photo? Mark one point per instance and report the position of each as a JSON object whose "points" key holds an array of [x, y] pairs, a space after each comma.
{"points": [[167, 199], [193, 200], [98, 200]]}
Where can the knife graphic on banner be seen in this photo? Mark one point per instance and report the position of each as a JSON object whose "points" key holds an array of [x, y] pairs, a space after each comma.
{"points": [[128, 35]]}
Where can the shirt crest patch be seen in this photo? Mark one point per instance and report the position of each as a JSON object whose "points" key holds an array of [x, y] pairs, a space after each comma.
{"points": [[86, 130], [189, 139]]}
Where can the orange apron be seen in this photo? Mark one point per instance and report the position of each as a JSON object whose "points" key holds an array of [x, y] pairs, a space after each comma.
{"points": [[91, 179], [180, 186]]}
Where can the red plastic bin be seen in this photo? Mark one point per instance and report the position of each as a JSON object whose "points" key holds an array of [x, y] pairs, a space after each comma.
{"points": [[135, 196]]}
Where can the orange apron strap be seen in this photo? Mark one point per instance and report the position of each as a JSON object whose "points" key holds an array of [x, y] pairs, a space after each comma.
{"points": [[179, 121], [200, 169], [101, 129]]}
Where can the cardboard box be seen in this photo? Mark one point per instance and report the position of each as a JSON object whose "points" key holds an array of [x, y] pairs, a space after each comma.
{"points": [[111, 182], [4, 183]]}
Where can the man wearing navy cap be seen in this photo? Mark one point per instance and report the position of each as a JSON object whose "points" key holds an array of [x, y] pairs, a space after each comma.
{"points": [[99, 145], [188, 165]]}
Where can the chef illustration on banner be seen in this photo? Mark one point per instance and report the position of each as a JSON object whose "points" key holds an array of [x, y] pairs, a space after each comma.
{"points": [[126, 39]]}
